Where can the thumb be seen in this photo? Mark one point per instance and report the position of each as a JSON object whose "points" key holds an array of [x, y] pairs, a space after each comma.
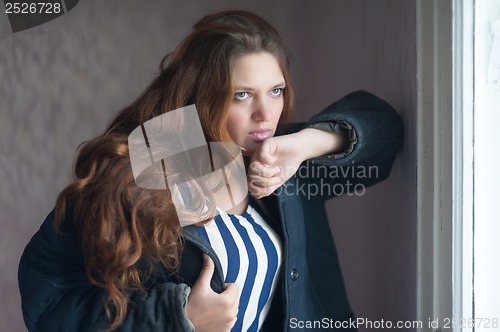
{"points": [[265, 154], [207, 270]]}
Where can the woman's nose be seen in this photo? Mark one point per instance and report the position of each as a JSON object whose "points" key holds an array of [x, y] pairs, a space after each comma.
{"points": [[262, 111]]}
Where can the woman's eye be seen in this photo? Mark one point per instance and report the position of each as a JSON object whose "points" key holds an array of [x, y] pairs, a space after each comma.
{"points": [[241, 95], [277, 91]]}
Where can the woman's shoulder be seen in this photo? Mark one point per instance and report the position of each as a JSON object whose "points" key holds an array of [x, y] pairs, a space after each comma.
{"points": [[54, 242]]}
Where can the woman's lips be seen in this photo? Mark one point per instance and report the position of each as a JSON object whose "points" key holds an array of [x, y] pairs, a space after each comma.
{"points": [[260, 135]]}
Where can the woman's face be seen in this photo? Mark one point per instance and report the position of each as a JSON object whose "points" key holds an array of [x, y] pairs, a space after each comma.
{"points": [[258, 99]]}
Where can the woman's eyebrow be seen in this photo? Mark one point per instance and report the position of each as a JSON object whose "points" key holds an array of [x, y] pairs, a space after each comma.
{"points": [[247, 88], [279, 85]]}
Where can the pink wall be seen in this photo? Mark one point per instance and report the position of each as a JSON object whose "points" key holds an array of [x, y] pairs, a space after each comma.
{"points": [[342, 46], [61, 83]]}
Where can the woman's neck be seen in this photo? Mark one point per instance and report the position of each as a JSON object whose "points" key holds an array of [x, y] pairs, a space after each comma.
{"points": [[240, 208]]}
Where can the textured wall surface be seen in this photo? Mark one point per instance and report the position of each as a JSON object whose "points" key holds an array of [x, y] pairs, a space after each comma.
{"points": [[370, 45], [60, 83]]}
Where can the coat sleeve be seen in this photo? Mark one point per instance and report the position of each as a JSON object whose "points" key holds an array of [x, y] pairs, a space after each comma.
{"points": [[375, 133], [56, 296]]}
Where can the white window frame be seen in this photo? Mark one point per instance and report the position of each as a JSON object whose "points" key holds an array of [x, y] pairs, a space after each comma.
{"points": [[444, 161], [463, 161], [486, 161]]}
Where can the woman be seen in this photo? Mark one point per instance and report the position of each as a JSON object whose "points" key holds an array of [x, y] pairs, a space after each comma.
{"points": [[118, 259]]}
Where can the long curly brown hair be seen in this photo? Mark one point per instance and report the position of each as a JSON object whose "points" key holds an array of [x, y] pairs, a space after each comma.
{"points": [[120, 223]]}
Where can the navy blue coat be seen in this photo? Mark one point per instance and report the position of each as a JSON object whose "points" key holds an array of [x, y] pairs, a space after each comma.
{"points": [[57, 297]]}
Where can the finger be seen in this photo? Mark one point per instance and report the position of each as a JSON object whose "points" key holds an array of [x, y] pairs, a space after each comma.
{"points": [[259, 192], [232, 290], [265, 153], [258, 181], [256, 191], [263, 170], [207, 270]]}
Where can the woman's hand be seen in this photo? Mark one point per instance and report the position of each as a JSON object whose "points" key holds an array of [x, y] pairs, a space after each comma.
{"points": [[275, 161], [207, 310], [278, 158]]}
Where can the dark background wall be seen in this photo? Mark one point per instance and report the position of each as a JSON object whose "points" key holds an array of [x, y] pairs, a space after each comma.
{"points": [[60, 83]]}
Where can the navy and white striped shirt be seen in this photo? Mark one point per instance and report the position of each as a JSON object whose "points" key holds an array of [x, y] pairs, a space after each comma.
{"points": [[250, 254]]}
